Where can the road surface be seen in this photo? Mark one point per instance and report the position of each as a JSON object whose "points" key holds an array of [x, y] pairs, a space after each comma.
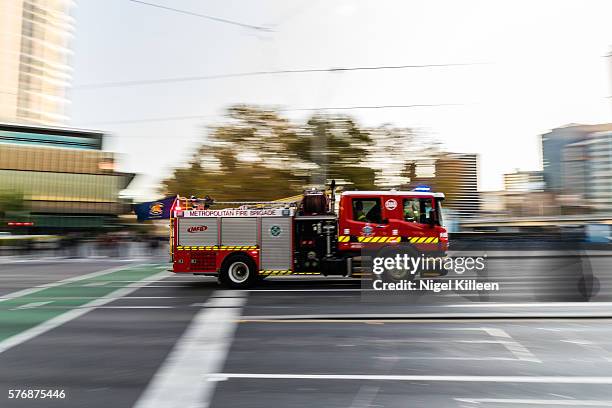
{"points": [[129, 334]]}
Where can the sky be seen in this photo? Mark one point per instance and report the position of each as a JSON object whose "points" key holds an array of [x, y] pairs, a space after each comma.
{"points": [[538, 64]]}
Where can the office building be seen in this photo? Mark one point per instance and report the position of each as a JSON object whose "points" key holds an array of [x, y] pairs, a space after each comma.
{"points": [[524, 181], [587, 170], [456, 175], [34, 60], [553, 144]]}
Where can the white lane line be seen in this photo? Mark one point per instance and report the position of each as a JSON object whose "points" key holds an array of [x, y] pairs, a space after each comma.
{"points": [[310, 290], [134, 307], [97, 283], [434, 315], [38, 288], [183, 380], [365, 396], [222, 302], [517, 349], [571, 403], [448, 358], [74, 313], [432, 378], [32, 305], [591, 346], [531, 305]]}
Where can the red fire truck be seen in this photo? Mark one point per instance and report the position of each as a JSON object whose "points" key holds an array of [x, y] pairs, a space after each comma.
{"points": [[308, 236]]}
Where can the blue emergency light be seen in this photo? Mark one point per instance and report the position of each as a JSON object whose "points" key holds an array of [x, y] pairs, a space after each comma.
{"points": [[423, 188]]}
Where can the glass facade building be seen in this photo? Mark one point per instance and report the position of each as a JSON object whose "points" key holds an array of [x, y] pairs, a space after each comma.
{"points": [[63, 176], [34, 60]]}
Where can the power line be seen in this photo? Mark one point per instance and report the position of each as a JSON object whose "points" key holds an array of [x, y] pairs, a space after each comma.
{"points": [[262, 73], [339, 108], [205, 16]]}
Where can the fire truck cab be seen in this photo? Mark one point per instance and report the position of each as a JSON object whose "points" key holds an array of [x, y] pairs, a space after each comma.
{"points": [[308, 236]]}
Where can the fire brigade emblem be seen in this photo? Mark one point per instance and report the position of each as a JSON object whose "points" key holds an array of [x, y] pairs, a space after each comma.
{"points": [[390, 204], [367, 230], [275, 230], [156, 209]]}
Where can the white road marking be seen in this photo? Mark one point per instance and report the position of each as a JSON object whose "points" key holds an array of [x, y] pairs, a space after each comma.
{"points": [[183, 380], [38, 288], [571, 402], [223, 302], [592, 347], [74, 313], [449, 358], [31, 305], [432, 378], [521, 352], [560, 395], [310, 290], [435, 315], [365, 396], [531, 305], [97, 283], [133, 307]]}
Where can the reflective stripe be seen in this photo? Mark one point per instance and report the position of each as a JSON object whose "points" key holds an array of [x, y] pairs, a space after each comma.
{"points": [[275, 272], [216, 248]]}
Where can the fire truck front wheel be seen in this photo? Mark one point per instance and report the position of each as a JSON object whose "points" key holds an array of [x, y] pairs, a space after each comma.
{"points": [[238, 271]]}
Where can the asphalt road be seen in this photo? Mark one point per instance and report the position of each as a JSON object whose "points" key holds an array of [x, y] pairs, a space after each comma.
{"points": [[127, 334]]}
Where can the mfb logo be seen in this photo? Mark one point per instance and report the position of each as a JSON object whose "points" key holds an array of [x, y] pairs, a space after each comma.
{"points": [[197, 228], [390, 204]]}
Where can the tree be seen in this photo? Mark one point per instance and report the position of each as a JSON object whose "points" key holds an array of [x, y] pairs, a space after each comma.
{"points": [[259, 155]]}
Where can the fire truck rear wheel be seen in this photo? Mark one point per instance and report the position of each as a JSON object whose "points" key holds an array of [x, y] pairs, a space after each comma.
{"points": [[238, 271]]}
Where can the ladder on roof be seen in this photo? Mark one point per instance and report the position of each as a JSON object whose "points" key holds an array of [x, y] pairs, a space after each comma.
{"points": [[204, 203]]}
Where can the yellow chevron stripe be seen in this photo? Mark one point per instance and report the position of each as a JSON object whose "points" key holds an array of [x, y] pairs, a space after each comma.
{"points": [[428, 240], [414, 240]]}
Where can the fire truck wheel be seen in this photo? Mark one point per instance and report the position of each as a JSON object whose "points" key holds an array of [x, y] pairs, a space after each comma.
{"points": [[238, 271], [395, 274]]}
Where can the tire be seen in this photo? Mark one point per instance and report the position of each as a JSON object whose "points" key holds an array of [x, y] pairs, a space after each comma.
{"points": [[238, 271], [399, 275]]}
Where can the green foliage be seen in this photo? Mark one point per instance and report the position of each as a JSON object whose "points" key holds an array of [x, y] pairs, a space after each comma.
{"points": [[259, 155], [262, 156]]}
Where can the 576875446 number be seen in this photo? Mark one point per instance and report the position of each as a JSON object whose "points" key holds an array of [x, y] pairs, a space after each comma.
{"points": [[36, 394]]}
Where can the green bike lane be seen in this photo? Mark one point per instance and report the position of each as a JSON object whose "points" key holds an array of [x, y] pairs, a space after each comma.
{"points": [[37, 310]]}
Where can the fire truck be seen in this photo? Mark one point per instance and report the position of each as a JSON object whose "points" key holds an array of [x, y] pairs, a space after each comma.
{"points": [[311, 235]]}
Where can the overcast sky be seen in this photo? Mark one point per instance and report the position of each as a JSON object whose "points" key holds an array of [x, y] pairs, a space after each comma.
{"points": [[543, 66]]}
